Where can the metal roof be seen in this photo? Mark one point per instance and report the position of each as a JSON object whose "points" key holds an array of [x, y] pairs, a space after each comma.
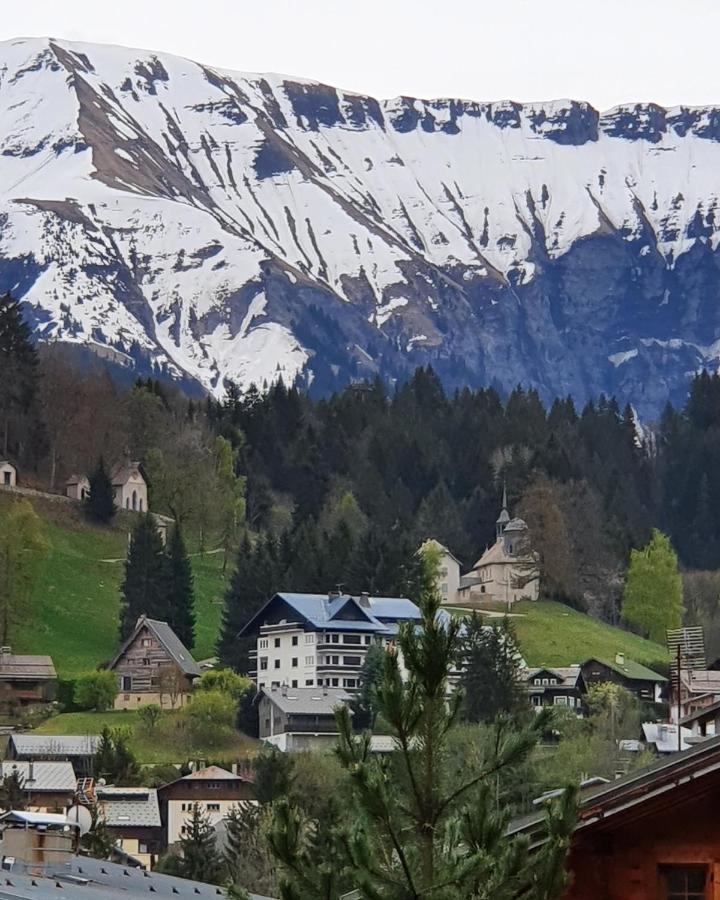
{"points": [[212, 773], [664, 776], [46, 776], [631, 669], [129, 807], [568, 675], [376, 614], [31, 667], [307, 701], [169, 640], [41, 745]]}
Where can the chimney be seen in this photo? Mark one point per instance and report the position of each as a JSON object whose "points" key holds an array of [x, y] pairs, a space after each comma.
{"points": [[284, 688], [620, 659], [333, 595], [31, 771], [365, 600]]}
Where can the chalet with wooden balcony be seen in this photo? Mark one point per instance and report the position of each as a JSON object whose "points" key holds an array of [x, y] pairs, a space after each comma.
{"points": [[25, 681]]}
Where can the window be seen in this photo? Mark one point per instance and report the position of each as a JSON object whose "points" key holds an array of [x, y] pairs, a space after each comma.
{"points": [[546, 681], [263, 644], [553, 681], [142, 848], [367, 638], [274, 684], [684, 882], [444, 587], [277, 663], [263, 663], [334, 682], [294, 662], [349, 682], [294, 640], [537, 700], [6, 479], [352, 660], [293, 683], [320, 682], [126, 683], [277, 642], [536, 681], [309, 660], [309, 638], [482, 588], [213, 807], [309, 682], [334, 638], [351, 639], [146, 661], [334, 660], [443, 572], [560, 701], [146, 642]]}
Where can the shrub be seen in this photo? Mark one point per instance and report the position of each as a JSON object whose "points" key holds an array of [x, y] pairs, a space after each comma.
{"points": [[150, 716], [96, 690], [226, 682], [210, 715]]}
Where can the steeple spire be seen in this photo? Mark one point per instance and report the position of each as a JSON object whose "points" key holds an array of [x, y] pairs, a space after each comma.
{"points": [[504, 516]]}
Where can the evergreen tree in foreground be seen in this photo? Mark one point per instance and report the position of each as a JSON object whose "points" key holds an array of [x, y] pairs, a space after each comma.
{"points": [[101, 502], [420, 831], [179, 589], [143, 589], [199, 859], [18, 374]]}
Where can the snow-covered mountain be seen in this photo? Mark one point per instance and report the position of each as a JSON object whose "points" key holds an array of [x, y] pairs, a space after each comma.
{"points": [[228, 226]]}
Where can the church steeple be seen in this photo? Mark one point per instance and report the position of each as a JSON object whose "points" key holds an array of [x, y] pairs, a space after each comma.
{"points": [[504, 516]]}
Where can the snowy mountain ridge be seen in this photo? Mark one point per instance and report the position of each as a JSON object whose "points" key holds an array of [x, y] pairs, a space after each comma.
{"points": [[243, 227]]}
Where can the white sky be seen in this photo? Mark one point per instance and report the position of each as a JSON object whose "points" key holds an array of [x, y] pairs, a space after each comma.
{"points": [[604, 51]]}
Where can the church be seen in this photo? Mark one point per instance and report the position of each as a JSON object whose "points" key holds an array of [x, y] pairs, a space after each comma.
{"points": [[507, 571]]}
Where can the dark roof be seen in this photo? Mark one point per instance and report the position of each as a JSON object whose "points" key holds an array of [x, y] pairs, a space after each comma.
{"points": [[307, 701], [169, 640], [37, 668], [567, 675], [662, 777], [629, 668], [121, 474], [375, 614]]}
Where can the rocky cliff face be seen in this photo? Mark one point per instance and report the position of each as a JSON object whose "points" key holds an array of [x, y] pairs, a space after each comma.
{"points": [[246, 227]]}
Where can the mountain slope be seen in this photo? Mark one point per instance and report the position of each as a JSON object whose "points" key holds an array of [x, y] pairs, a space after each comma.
{"points": [[243, 227]]}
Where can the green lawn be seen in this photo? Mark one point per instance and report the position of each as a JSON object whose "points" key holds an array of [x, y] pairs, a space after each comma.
{"points": [[168, 743], [74, 607], [555, 635]]}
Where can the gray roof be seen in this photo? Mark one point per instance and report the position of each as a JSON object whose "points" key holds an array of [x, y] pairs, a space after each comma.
{"points": [[46, 776], [94, 879], [127, 807], [42, 745], [169, 640], [567, 675], [307, 701], [31, 667]]}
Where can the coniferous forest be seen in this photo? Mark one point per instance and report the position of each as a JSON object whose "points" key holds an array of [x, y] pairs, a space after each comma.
{"points": [[307, 494]]}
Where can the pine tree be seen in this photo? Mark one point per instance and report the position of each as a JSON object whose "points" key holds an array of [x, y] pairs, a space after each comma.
{"points": [[18, 374], [143, 589], [199, 859], [652, 601], [420, 830], [101, 502], [98, 842], [179, 589], [490, 665], [247, 859], [364, 703], [12, 791]]}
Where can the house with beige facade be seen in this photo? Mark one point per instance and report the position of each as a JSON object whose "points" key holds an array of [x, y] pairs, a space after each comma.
{"points": [[130, 487], [8, 474], [508, 570], [153, 666], [448, 578]]}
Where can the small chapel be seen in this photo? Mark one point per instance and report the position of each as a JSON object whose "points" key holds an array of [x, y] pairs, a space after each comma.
{"points": [[507, 571]]}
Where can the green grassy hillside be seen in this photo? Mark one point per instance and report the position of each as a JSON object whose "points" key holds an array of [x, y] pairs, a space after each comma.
{"points": [[554, 635], [74, 608]]}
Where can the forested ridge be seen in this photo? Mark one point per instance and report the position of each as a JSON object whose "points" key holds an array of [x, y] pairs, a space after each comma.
{"points": [[306, 494]]}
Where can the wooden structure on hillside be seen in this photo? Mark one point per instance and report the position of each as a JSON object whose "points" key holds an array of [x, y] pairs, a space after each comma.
{"points": [[153, 666]]}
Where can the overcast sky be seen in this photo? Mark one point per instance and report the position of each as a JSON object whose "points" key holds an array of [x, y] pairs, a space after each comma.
{"points": [[604, 51]]}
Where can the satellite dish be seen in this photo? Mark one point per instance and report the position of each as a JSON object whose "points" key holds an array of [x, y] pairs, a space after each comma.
{"points": [[81, 817]]}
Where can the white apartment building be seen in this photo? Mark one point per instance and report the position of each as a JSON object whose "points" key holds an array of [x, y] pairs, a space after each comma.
{"points": [[320, 640]]}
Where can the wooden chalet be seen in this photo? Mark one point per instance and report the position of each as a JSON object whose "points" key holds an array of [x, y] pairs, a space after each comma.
{"points": [[153, 666], [652, 835], [25, 681], [644, 683]]}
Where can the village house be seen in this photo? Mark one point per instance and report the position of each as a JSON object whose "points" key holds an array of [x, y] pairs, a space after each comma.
{"points": [[153, 666], [25, 681], [132, 817], [8, 474], [507, 571], [448, 578], [645, 684], [130, 487], [47, 786], [556, 686], [77, 487], [651, 835], [216, 791], [299, 719], [77, 750], [703, 723], [320, 640]]}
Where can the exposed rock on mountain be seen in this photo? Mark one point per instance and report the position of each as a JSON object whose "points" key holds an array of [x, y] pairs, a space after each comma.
{"points": [[227, 226]]}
